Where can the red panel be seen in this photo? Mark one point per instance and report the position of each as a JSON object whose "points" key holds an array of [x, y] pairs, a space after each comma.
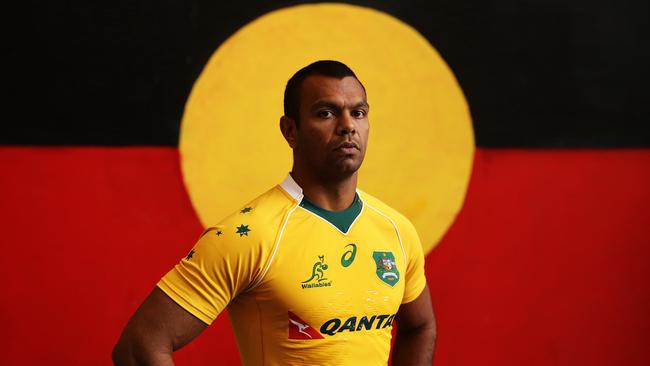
{"points": [[549, 261], [86, 234], [547, 264]]}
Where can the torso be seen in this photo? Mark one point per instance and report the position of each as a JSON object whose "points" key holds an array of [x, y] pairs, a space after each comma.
{"points": [[323, 296], [301, 286]]}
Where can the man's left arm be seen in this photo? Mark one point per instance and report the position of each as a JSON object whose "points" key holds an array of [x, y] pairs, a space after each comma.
{"points": [[416, 332]]}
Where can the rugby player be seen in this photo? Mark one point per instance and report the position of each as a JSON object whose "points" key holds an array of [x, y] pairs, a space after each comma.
{"points": [[313, 271]]}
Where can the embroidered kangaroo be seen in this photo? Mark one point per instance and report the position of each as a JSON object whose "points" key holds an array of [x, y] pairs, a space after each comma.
{"points": [[317, 270]]}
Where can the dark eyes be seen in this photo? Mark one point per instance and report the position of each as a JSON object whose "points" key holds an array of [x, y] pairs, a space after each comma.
{"points": [[359, 113], [324, 114]]}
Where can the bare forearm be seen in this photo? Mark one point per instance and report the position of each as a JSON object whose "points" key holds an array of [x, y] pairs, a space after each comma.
{"points": [[414, 347]]}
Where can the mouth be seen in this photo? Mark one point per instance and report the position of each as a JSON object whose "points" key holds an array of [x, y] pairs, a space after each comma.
{"points": [[348, 146]]}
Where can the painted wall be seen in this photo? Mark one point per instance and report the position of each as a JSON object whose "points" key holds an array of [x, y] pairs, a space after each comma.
{"points": [[546, 263]]}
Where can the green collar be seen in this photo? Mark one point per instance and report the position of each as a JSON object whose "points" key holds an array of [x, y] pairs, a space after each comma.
{"points": [[341, 219]]}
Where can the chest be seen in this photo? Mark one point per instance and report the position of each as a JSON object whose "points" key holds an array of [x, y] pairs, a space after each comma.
{"points": [[322, 273]]}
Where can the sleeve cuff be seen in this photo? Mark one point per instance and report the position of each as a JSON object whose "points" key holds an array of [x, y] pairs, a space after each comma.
{"points": [[415, 293], [178, 298]]}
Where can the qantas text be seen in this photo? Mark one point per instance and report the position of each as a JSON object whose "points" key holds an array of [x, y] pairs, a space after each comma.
{"points": [[354, 324]]}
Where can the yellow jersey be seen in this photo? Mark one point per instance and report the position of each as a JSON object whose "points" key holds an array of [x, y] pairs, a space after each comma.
{"points": [[302, 285]]}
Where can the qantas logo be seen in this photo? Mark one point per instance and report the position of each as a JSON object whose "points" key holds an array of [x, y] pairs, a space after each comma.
{"points": [[299, 329]]}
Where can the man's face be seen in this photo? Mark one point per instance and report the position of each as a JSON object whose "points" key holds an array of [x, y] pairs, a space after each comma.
{"points": [[332, 133]]}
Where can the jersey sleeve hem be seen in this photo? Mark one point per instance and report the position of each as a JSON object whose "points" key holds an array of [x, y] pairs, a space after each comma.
{"points": [[178, 298], [414, 294]]}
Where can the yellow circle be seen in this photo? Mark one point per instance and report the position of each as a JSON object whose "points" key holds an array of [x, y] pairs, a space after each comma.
{"points": [[421, 141]]}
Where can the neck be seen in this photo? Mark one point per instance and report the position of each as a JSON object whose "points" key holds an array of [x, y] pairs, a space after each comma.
{"points": [[335, 195]]}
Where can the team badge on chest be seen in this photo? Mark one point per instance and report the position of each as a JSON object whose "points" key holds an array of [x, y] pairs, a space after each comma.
{"points": [[386, 267]]}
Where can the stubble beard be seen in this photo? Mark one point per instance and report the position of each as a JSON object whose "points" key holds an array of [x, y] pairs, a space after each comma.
{"points": [[340, 169], [333, 169]]}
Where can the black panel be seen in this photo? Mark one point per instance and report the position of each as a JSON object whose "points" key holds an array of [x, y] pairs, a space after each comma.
{"points": [[536, 73]]}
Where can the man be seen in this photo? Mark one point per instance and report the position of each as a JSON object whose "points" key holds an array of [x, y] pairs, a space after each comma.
{"points": [[314, 271]]}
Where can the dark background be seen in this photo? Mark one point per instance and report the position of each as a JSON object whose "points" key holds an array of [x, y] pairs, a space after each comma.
{"points": [[536, 73]]}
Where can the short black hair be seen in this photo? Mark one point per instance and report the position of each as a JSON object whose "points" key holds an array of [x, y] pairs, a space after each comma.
{"points": [[330, 68]]}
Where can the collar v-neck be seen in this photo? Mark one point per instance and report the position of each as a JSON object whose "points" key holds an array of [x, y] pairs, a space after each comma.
{"points": [[342, 220]]}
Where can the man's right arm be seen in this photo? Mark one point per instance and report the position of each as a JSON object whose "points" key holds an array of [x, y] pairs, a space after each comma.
{"points": [[191, 295], [157, 329]]}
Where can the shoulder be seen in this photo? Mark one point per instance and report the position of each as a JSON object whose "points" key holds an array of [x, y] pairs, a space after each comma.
{"points": [[259, 218], [242, 242], [402, 223]]}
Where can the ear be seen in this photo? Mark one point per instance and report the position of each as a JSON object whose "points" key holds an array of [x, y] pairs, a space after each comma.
{"points": [[288, 129]]}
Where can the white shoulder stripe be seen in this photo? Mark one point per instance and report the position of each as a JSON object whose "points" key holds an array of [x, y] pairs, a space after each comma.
{"points": [[275, 249], [399, 237]]}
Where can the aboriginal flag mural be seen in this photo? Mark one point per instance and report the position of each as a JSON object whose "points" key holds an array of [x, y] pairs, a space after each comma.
{"points": [[512, 133]]}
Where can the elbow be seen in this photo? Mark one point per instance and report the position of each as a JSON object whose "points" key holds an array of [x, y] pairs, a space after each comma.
{"points": [[129, 353], [121, 354], [117, 355], [138, 351]]}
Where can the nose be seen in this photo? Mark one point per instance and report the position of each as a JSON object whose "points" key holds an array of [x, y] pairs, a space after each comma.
{"points": [[346, 125]]}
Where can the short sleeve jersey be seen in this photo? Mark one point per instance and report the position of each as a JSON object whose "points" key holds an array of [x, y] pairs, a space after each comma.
{"points": [[303, 286]]}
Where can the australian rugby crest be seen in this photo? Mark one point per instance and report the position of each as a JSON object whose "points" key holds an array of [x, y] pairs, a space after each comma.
{"points": [[386, 267]]}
